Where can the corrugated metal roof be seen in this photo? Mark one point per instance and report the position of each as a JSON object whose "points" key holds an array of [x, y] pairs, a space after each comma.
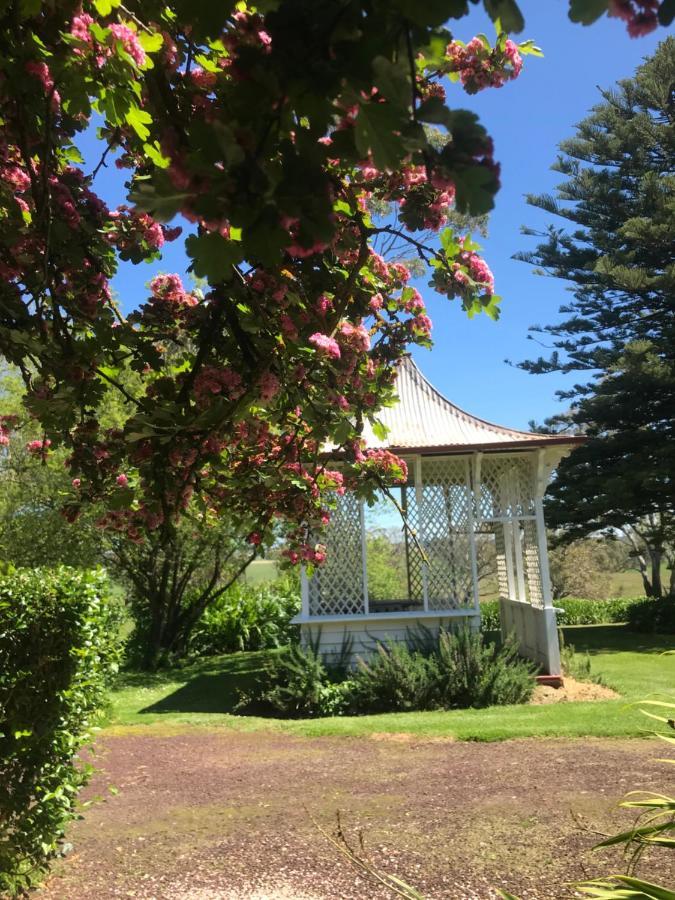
{"points": [[424, 419]]}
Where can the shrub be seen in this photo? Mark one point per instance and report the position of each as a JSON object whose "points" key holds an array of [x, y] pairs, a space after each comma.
{"points": [[248, 617], [395, 679], [448, 671], [58, 649], [653, 615], [468, 672], [300, 685]]}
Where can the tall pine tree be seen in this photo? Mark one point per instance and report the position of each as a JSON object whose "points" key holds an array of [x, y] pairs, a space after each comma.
{"points": [[617, 250]]}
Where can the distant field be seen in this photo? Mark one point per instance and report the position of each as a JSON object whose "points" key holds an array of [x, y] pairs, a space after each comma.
{"points": [[621, 584], [261, 570]]}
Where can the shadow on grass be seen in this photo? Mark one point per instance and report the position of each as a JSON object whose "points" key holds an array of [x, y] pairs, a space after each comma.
{"points": [[205, 694], [615, 639]]}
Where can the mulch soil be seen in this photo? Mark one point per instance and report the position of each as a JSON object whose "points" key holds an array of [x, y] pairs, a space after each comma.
{"points": [[204, 815]]}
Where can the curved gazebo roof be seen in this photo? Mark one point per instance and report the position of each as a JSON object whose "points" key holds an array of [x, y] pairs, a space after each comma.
{"points": [[424, 420]]}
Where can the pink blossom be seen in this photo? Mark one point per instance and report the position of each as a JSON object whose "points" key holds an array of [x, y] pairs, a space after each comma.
{"points": [[129, 41], [122, 480], [356, 337], [79, 27], [254, 538], [376, 302], [269, 386], [202, 79], [325, 344], [41, 71], [76, 482], [39, 447]]}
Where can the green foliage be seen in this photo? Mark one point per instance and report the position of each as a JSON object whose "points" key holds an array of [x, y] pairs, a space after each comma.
{"points": [[300, 685], [654, 615], [394, 679], [450, 671], [58, 651], [572, 611], [614, 246], [248, 617]]}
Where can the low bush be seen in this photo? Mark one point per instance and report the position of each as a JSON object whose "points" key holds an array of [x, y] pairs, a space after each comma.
{"points": [[456, 670], [572, 611], [248, 617], [655, 616], [58, 650], [301, 685]]}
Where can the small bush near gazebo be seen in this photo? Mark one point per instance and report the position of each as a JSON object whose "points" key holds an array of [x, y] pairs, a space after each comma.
{"points": [[454, 670]]}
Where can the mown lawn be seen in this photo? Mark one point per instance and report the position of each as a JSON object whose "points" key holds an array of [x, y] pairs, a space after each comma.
{"points": [[206, 692]]}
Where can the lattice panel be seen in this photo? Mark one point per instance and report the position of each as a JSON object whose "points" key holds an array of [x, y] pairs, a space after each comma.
{"points": [[502, 571], [445, 514], [415, 563], [507, 487], [336, 588], [530, 546]]}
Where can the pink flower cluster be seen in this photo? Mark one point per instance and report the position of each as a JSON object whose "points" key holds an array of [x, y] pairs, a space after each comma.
{"points": [[39, 448], [387, 464], [169, 289], [269, 386], [212, 381], [325, 344], [641, 15], [480, 66], [131, 231], [6, 425], [129, 41], [355, 337]]}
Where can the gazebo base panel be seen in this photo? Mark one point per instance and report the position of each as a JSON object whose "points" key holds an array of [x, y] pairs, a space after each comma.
{"points": [[358, 636]]}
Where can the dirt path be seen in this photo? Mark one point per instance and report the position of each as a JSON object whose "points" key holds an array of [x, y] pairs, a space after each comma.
{"points": [[206, 815]]}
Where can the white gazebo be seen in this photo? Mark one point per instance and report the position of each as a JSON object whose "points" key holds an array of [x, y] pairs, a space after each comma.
{"points": [[467, 479]]}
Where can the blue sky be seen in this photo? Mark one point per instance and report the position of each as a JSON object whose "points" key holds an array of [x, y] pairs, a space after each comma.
{"points": [[527, 119]]}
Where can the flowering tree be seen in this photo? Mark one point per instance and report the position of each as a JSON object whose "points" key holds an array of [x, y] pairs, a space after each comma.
{"points": [[264, 132]]}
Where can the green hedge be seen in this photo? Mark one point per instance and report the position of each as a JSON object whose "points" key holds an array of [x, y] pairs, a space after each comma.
{"points": [[577, 611], [58, 649]]}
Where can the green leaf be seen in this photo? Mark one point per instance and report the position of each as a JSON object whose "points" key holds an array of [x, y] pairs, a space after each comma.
{"points": [[380, 430], [392, 80], [529, 48], [138, 119], [587, 11], [474, 190], [431, 12], [154, 154], [508, 12], [151, 43], [105, 7], [666, 12], [374, 133], [213, 256]]}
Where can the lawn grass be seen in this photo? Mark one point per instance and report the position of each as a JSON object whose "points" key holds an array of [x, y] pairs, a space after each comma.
{"points": [[205, 693]]}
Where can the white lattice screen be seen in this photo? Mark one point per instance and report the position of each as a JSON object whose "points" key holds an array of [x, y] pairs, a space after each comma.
{"points": [[337, 587], [444, 507], [445, 524]]}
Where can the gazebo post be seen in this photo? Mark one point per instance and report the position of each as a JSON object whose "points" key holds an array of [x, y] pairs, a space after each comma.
{"points": [[471, 526], [542, 542]]}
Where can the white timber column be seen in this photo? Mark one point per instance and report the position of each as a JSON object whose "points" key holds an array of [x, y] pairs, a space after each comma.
{"points": [[471, 526], [304, 593], [419, 499], [542, 543], [364, 556]]}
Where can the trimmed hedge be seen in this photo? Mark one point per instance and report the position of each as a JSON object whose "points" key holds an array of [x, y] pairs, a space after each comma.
{"points": [[577, 611], [654, 616], [58, 650]]}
